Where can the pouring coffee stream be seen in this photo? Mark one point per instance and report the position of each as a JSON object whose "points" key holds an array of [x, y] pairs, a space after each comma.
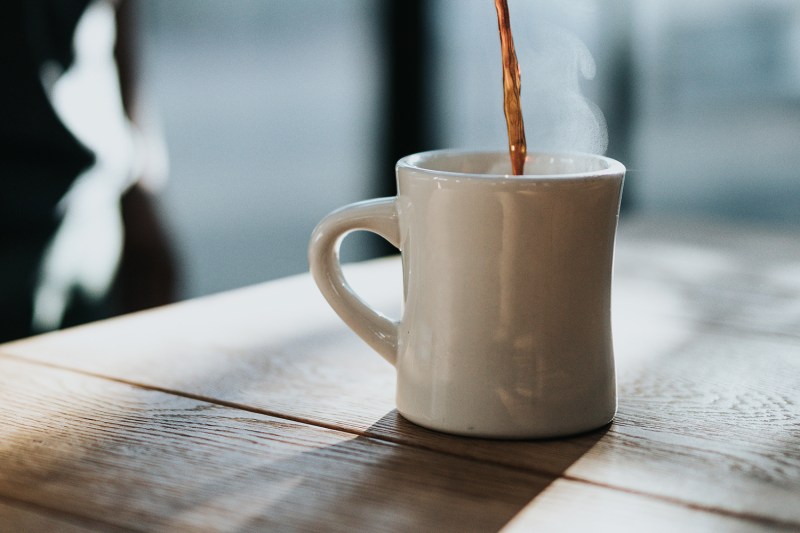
{"points": [[511, 91]]}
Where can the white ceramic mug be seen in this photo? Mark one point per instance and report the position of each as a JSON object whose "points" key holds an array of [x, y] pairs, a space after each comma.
{"points": [[506, 326]]}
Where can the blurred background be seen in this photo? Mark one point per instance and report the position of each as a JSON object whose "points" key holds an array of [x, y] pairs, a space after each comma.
{"points": [[276, 112]]}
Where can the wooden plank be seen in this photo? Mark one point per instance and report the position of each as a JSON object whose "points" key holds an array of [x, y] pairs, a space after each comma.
{"points": [[561, 509], [151, 461]]}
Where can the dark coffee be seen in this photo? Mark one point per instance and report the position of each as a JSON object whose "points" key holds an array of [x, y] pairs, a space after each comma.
{"points": [[511, 86]]}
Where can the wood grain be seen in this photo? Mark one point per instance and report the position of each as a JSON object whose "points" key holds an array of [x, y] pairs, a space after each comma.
{"points": [[709, 414], [152, 461], [21, 517], [143, 460], [561, 509]]}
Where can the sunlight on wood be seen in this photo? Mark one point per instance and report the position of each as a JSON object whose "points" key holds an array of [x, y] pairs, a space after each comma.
{"points": [[556, 509], [234, 510], [648, 321]]}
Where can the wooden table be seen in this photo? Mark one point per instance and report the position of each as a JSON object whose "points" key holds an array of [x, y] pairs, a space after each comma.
{"points": [[257, 410]]}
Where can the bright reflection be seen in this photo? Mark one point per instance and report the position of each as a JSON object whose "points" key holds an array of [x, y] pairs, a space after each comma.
{"points": [[85, 251]]}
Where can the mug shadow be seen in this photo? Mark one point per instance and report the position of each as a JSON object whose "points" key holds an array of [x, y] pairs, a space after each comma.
{"points": [[423, 481]]}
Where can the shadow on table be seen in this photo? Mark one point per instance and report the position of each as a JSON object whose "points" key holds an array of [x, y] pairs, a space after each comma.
{"points": [[371, 483]]}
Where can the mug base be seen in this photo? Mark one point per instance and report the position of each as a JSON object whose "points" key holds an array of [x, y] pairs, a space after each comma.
{"points": [[516, 433]]}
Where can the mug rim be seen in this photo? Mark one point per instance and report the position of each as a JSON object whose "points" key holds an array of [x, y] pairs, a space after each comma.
{"points": [[415, 162]]}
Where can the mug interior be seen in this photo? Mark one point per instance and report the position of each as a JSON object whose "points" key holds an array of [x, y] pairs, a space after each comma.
{"points": [[498, 164]]}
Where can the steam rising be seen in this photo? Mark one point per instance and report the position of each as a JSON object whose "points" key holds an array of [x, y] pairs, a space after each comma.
{"points": [[558, 117]]}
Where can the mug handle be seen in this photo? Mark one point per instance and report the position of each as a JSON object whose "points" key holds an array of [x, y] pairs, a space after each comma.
{"points": [[377, 216]]}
